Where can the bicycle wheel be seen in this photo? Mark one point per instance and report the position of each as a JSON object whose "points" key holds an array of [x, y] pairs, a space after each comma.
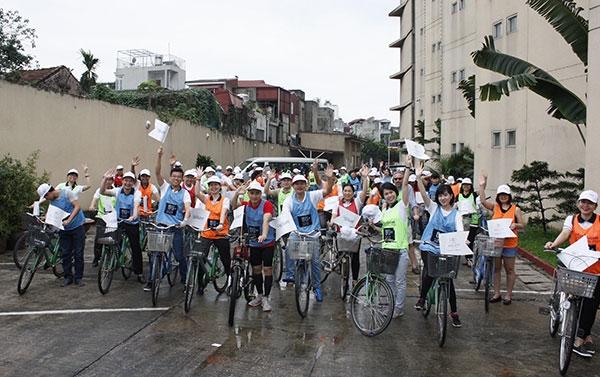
{"points": [[554, 305], [126, 267], [57, 267], [219, 277], [157, 272], [234, 288], [171, 268], [429, 299], [441, 312], [478, 271], [190, 283], [248, 284], [105, 272], [570, 317], [302, 289], [371, 305], [277, 262], [344, 276], [488, 283], [21, 250], [326, 259], [28, 269]]}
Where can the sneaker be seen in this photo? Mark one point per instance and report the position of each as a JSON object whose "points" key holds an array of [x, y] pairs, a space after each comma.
{"points": [[397, 313], [79, 282], [148, 287], [420, 305], [318, 294], [257, 301], [266, 305], [416, 271], [289, 279], [581, 350], [200, 291], [589, 346], [95, 263], [67, 281], [141, 279], [455, 320]]}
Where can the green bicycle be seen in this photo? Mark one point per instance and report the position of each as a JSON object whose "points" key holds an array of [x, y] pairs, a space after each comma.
{"points": [[116, 253]]}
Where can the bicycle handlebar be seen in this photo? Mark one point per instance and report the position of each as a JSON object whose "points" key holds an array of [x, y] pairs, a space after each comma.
{"points": [[426, 243], [163, 227], [312, 233]]}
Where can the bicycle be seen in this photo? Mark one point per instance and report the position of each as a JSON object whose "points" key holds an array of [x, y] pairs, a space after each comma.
{"points": [[116, 253], [278, 259], [302, 249], [443, 268], [372, 299], [241, 275], [160, 244], [22, 247], [337, 259], [44, 251], [213, 268], [569, 288], [485, 250]]}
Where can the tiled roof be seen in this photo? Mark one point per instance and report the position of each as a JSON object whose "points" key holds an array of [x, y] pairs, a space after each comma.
{"points": [[37, 75], [253, 84]]}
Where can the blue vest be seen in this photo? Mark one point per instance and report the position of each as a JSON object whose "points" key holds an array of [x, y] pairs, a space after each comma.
{"points": [[355, 182], [432, 191], [437, 224], [125, 206], [170, 208], [305, 214], [63, 203], [254, 221]]}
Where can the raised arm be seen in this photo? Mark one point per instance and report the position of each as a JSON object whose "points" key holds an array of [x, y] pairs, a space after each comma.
{"points": [[135, 162], [418, 171], [158, 168], [482, 184], [199, 193], [235, 201], [109, 173], [330, 180], [87, 178], [315, 170], [268, 190], [364, 175]]}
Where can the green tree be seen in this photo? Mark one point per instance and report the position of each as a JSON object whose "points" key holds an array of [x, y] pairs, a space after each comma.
{"points": [[15, 35], [458, 164], [565, 18], [150, 86], [204, 161], [376, 150], [568, 190], [467, 87], [534, 185], [89, 77]]}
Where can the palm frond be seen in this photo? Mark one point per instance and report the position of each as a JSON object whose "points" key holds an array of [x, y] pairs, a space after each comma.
{"points": [[467, 87]]}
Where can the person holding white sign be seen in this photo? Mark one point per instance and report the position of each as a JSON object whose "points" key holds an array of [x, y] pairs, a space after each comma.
{"points": [[104, 204], [503, 209], [444, 219], [585, 223], [72, 237], [258, 212], [467, 206], [354, 205]]}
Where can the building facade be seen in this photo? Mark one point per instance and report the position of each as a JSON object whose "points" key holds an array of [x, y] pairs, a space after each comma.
{"points": [[137, 66]]}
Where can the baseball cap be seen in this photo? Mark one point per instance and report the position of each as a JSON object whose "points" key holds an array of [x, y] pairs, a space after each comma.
{"points": [[503, 189], [236, 170], [177, 164], [285, 176], [255, 186], [119, 167], [467, 181], [190, 172], [450, 179], [426, 173], [209, 170], [254, 165], [145, 172], [239, 176], [343, 168], [296, 171], [73, 171], [590, 195], [298, 178], [459, 179], [130, 175], [212, 179], [43, 189], [228, 167], [412, 178], [373, 172], [219, 167], [377, 180]]}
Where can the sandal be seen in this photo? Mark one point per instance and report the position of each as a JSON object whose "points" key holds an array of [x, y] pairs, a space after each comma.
{"points": [[507, 301], [494, 300]]}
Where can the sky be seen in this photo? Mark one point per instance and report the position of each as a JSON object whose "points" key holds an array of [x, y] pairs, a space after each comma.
{"points": [[334, 50]]}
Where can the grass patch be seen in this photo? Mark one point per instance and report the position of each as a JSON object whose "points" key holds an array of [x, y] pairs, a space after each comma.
{"points": [[533, 240]]}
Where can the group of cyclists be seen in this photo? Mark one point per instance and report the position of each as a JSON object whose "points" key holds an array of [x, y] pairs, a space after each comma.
{"points": [[414, 203]]}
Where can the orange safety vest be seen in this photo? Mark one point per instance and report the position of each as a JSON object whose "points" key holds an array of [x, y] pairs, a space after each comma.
{"points": [[214, 218], [593, 235], [455, 189], [510, 214], [146, 193], [375, 199], [334, 192]]}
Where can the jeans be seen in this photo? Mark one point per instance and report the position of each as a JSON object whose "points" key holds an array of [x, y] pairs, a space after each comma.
{"points": [[398, 280], [315, 263], [72, 243]]}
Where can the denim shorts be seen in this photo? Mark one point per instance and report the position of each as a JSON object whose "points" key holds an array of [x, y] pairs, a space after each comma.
{"points": [[509, 252]]}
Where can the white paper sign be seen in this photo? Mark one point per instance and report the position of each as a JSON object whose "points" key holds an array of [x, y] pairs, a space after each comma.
{"points": [[416, 150], [238, 218], [454, 243], [372, 212], [230, 195], [346, 218], [108, 207], [198, 218], [110, 218], [465, 207], [36, 208], [283, 224], [331, 204], [578, 256], [500, 228], [55, 216], [160, 131], [419, 198]]}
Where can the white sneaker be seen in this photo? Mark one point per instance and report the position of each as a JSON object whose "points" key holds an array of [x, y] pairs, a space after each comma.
{"points": [[257, 301], [266, 305]]}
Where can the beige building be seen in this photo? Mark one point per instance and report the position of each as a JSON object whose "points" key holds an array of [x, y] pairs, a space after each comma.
{"points": [[435, 42]]}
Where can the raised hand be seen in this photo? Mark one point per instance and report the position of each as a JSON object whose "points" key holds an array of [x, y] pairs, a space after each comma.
{"points": [[483, 178], [328, 171], [135, 161], [172, 159], [160, 151], [109, 173]]}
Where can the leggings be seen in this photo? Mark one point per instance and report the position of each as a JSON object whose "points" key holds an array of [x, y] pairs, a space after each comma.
{"points": [[262, 256], [588, 313]]}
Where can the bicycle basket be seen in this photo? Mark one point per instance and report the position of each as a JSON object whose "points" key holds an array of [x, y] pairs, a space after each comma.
{"points": [[443, 266], [302, 248], [576, 283], [160, 241], [38, 237], [489, 246], [382, 261], [348, 245], [106, 235]]}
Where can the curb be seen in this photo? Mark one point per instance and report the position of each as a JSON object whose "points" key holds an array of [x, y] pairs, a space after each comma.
{"points": [[547, 267]]}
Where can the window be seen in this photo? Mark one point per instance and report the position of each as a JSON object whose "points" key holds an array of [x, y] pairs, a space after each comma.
{"points": [[433, 47], [496, 142], [511, 24], [462, 75], [511, 138], [454, 76], [462, 146], [439, 98], [421, 112], [439, 45], [453, 148], [422, 71], [461, 4], [454, 8], [421, 31], [497, 29], [432, 99]]}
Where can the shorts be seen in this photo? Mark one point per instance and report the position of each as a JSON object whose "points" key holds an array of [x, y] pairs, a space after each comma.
{"points": [[509, 252]]}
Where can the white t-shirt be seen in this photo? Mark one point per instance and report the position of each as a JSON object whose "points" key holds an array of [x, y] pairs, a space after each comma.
{"points": [[457, 221], [568, 224], [137, 194], [314, 196], [357, 202], [165, 186]]}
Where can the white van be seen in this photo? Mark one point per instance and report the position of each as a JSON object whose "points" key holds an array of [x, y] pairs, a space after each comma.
{"points": [[282, 164]]}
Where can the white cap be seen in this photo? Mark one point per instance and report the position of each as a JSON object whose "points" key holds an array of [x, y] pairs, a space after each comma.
{"points": [[219, 167], [73, 171], [373, 172], [426, 173], [285, 176], [43, 190], [377, 180], [255, 186], [212, 179], [336, 172], [254, 165], [459, 179], [503, 189], [190, 172], [412, 178], [450, 179], [239, 176], [119, 167], [296, 171], [130, 175], [590, 195], [343, 168], [467, 181], [236, 170], [298, 178], [177, 164], [258, 168], [145, 172], [209, 169], [228, 167]]}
